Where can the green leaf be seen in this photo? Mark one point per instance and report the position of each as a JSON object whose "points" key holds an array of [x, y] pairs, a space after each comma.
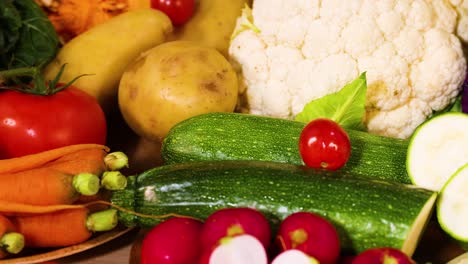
{"points": [[10, 24], [38, 43], [27, 44], [347, 107], [246, 23], [457, 105]]}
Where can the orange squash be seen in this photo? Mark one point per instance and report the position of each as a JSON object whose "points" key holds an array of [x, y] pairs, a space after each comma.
{"points": [[72, 17]]}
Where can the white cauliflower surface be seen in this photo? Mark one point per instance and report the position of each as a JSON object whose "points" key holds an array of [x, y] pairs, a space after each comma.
{"points": [[300, 50]]}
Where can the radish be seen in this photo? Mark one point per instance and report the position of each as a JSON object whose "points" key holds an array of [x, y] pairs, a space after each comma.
{"points": [[240, 249], [229, 222], [174, 241], [346, 259], [294, 256], [310, 233], [382, 256]]}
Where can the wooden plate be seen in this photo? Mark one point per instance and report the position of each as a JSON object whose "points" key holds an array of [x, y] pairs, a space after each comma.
{"points": [[67, 251]]}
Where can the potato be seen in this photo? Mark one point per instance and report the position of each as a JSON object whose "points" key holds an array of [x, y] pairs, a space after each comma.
{"points": [[172, 82], [212, 23], [104, 51]]}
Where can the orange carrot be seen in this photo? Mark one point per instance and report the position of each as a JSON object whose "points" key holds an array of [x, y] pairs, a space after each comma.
{"points": [[103, 195], [14, 208], [11, 242], [45, 186], [86, 160], [63, 228], [39, 159]]}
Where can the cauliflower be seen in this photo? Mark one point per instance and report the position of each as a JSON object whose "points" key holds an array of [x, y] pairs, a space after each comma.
{"points": [[291, 52], [462, 25]]}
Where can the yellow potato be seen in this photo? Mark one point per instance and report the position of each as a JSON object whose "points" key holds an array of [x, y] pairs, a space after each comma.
{"points": [[212, 23], [106, 49], [172, 82]]}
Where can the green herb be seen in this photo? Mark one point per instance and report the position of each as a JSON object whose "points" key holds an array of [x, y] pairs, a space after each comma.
{"points": [[10, 22], [28, 42], [38, 43], [347, 107]]}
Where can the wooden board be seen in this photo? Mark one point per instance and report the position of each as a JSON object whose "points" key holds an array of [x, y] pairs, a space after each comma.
{"points": [[67, 251]]}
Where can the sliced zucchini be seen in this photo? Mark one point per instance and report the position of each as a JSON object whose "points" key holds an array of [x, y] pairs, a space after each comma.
{"points": [[437, 149], [462, 259], [452, 206]]}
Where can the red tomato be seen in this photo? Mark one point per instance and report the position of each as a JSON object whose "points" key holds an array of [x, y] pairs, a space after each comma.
{"points": [[324, 144], [179, 11], [34, 123]]}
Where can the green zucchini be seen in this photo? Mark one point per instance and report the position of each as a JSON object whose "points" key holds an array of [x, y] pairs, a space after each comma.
{"points": [[367, 213], [235, 136], [437, 149], [452, 206]]}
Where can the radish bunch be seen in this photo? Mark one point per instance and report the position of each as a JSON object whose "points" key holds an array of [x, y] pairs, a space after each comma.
{"points": [[243, 236]]}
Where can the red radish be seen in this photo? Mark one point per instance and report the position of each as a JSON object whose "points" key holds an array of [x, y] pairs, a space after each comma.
{"points": [[228, 222], [239, 249], [382, 255], [310, 233], [174, 241], [294, 256], [346, 259]]}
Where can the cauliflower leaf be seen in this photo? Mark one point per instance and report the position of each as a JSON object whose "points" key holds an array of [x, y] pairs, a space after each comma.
{"points": [[245, 22], [347, 107]]}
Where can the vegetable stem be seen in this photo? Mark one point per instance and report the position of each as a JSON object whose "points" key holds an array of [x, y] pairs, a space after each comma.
{"points": [[12, 242], [102, 221], [116, 160], [86, 183], [25, 71], [113, 180]]}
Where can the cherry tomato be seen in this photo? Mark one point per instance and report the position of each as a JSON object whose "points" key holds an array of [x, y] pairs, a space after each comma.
{"points": [[179, 11], [33, 123], [324, 144]]}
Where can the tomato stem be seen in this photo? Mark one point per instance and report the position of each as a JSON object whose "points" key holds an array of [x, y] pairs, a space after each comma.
{"points": [[37, 85], [26, 71]]}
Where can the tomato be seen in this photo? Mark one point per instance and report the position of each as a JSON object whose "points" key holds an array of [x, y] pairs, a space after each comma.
{"points": [[324, 144], [33, 123], [179, 11]]}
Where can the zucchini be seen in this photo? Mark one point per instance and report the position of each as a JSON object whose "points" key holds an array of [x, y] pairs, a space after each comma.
{"points": [[235, 136], [367, 213], [437, 149], [462, 259], [452, 206]]}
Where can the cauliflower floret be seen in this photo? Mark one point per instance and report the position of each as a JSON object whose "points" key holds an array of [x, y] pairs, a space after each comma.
{"points": [[462, 25], [300, 50]]}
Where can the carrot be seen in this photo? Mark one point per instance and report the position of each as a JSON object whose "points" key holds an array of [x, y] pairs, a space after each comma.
{"points": [[14, 208], [39, 159], [86, 160], [103, 195], [11, 242], [45, 186], [87, 154], [63, 228]]}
